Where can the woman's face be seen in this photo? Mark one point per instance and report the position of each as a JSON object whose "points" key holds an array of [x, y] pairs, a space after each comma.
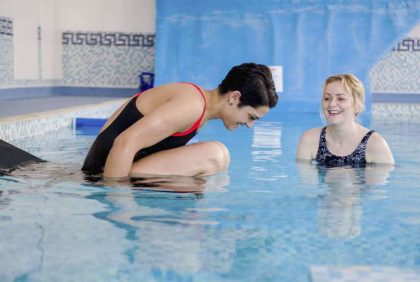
{"points": [[246, 115], [337, 104]]}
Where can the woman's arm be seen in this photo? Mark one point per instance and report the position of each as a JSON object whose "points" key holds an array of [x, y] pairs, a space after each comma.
{"points": [[308, 145], [175, 115], [378, 151]]}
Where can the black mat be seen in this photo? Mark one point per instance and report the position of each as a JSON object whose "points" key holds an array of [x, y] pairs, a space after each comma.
{"points": [[12, 157]]}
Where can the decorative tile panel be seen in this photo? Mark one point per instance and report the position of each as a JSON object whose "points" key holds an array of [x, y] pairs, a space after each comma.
{"points": [[6, 59], [106, 59], [90, 59], [109, 39], [6, 50], [396, 112], [408, 45], [398, 71], [6, 26]]}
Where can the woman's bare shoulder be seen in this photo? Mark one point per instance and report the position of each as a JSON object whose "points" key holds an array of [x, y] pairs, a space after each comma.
{"points": [[308, 144], [377, 150], [312, 133]]}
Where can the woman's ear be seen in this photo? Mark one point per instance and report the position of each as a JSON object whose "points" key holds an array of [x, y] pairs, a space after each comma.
{"points": [[234, 97], [357, 109]]}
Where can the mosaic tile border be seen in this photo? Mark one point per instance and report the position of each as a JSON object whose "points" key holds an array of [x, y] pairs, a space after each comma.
{"points": [[90, 59], [17, 127], [12, 128], [6, 26], [363, 273], [108, 39], [397, 72], [409, 44], [396, 112]]}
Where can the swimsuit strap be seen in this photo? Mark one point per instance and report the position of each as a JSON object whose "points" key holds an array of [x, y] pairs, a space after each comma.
{"points": [[366, 137], [361, 148], [197, 123], [322, 139]]}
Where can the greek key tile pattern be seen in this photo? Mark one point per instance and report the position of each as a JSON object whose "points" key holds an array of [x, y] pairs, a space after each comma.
{"points": [[408, 45], [398, 72], [6, 26], [106, 59], [109, 39], [92, 59]]}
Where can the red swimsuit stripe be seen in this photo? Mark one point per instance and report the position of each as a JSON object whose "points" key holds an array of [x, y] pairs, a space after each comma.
{"points": [[197, 123]]}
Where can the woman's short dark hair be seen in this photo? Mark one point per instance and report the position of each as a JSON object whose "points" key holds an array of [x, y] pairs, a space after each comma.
{"points": [[255, 83]]}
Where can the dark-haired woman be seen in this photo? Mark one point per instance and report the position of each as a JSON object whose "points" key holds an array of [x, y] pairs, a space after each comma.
{"points": [[149, 133]]}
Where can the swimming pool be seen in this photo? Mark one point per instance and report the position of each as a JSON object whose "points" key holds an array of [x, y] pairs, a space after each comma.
{"points": [[267, 219]]}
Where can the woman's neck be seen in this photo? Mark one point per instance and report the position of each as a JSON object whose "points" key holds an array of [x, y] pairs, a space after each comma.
{"points": [[215, 103]]}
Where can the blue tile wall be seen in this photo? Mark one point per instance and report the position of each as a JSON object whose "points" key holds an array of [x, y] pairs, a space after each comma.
{"points": [[324, 273], [115, 59]]}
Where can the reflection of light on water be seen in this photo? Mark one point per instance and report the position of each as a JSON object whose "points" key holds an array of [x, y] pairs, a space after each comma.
{"points": [[266, 148], [339, 212], [267, 135]]}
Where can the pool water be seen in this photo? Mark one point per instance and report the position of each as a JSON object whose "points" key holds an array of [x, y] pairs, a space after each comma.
{"points": [[267, 219]]}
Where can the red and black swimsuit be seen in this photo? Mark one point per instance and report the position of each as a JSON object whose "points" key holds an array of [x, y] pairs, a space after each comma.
{"points": [[98, 153]]}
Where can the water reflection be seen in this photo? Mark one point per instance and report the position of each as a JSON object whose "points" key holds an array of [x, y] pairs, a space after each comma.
{"points": [[339, 207], [167, 226], [266, 150], [147, 224]]}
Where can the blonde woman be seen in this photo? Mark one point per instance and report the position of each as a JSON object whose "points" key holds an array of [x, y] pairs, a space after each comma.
{"points": [[343, 142]]}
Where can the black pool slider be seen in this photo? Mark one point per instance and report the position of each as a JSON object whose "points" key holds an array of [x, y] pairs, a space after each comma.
{"points": [[11, 157]]}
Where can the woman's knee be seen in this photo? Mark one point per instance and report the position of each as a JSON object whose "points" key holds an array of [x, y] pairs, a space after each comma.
{"points": [[219, 158]]}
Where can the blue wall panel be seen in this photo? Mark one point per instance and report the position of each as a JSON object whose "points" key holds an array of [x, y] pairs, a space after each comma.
{"points": [[200, 41]]}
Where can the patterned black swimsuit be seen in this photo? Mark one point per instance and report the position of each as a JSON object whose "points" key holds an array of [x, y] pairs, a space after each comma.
{"points": [[355, 159]]}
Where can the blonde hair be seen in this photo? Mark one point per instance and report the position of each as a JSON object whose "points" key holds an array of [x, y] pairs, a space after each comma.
{"points": [[353, 85]]}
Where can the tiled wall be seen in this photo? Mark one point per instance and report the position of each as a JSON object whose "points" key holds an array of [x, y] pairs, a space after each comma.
{"points": [[6, 59], [106, 59], [115, 59], [90, 59], [6, 50], [398, 71]]}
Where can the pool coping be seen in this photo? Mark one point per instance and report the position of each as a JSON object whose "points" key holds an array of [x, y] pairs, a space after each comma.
{"points": [[34, 124]]}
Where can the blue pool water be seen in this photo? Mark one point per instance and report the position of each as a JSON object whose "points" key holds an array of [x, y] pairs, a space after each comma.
{"points": [[267, 219]]}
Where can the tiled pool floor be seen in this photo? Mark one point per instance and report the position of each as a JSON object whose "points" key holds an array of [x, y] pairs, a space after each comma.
{"points": [[363, 274]]}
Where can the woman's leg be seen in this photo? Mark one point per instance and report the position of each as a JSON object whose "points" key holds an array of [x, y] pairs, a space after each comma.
{"points": [[202, 158]]}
